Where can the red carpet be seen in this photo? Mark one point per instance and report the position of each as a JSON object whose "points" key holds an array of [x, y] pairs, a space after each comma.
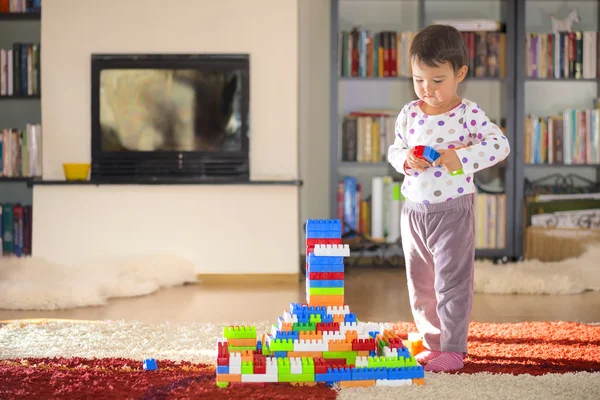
{"points": [[521, 348]]}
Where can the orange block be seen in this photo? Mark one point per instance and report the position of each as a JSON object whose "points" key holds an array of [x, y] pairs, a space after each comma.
{"points": [[307, 335], [363, 353], [347, 384], [419, 381], [286, 327], [340, 345], [351, 335], [312, 354], [339, 318], [247, 355], [229, 377], [242, 342], [325, 300]]}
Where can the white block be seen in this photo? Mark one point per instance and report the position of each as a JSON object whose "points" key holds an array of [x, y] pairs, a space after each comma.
{"points": [[235, 360], [331, 335], [310, 345], [393, 382], [362, 361], [271, 366], [387, 352], [259, 378], [348, 326], [332, 250], [333, 310], [295, 365], [237, 369]]}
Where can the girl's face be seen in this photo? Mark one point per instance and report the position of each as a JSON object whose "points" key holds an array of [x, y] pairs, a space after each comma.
{"points": [[437, 86]]}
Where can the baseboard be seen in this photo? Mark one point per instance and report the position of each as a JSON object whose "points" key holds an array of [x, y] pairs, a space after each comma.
{"points": [[249, 279]]}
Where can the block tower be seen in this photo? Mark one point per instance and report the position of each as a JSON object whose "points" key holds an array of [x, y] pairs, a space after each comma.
{"points": [[322, 340]]}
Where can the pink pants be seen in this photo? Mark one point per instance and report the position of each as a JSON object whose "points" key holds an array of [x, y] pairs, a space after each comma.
{"points": [[438, 241]]}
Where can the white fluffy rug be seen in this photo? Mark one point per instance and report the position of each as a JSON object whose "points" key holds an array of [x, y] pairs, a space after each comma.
{"points": [[571, 276], [196, 343], [34, 284]]}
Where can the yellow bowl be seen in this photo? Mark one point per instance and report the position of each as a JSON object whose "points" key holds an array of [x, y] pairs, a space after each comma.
{"points": [[76, 172]]}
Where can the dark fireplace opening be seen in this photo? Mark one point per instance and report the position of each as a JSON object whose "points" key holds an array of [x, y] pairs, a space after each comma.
{"points": [[170, 117]]}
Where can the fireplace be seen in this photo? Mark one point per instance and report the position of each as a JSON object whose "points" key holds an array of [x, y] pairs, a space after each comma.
{"points": [[165, 117]]}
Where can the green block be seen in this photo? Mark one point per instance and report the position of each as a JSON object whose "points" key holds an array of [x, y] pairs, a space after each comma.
{"points": [[281, 345], [222, 385], [315, 318], [386, 362], [350, 356], [265, 350], [410, 361], [308, 365], [325, 291], [239, 332], [247, 368], [296, 377], [283, 366], [304, 326]]}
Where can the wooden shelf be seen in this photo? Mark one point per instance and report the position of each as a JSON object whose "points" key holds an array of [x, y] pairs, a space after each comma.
{"points": [[20, 16], [20, 97], [15, 179]]}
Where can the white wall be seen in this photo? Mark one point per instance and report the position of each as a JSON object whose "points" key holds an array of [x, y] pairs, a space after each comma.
{"points": [[314, 112], [216, 226]]}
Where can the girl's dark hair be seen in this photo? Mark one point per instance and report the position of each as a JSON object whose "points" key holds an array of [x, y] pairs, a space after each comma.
{"points": [[439, 44]]}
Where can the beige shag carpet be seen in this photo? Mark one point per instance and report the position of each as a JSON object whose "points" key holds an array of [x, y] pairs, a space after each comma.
{"points": [[196, 343]]}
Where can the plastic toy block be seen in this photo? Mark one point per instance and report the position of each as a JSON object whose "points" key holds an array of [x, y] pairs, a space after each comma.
{"points": [[229, 377], [364, 344], [325, 283], [327, 327], [276, 345], [326, 291], [283, 366], [296, 378], [348, 356], [361, 361], [332, 250], [350, 317], [259, 365], [304, 327], [426, 153], [247, 367], [308, 365], [323, 228], [258, 378], [338, 309], [310, 345], [355, 383], [459, 172], [242, 343], [339, 318], [340, 345], [248, 355], [311, 243], [412, 372], [418, 382], [386, 362], [325, 276], [351, 335], [369, 373], [306, 335], [393, 383], [241, 348], [309, 354], [222, 354], [223, 369], [334, 374], [150, 364], [325, 300], [373, 334], [281, 354], [239, 332], [314, 319], [293, 335], [333, 261], [325, 268]]}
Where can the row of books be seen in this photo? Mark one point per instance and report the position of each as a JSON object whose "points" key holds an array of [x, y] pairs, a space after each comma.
{"points": [[570, 138], [21, 152], [363, 53], [377, 216], [15, 229], [365, 135], [20, 70], [572, 55], [20, 6]]}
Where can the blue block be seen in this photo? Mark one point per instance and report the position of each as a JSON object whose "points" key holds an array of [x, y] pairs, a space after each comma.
{"points": [[403, 352], [325, 268], [258, 345], [287, 335], [372, 353], [279, 354], [350, 317], [325, 283], [430, 154], [222, 369], [367, 374], [327, 318], [150, 364], [406, 373], [323, 229], [334, 375], [373, 334], [324, 260]]}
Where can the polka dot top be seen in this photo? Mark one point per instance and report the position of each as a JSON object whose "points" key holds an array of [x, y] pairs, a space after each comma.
{"points": [[467, 126]]}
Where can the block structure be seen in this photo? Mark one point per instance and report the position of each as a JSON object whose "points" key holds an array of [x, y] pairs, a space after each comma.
{"points": [[322, 340]]}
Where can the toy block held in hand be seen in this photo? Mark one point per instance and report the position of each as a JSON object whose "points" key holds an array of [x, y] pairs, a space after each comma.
{"points": [[426, 153]]}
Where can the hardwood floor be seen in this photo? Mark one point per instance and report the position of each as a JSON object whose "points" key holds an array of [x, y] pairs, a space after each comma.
{"points": [[373, 294]]}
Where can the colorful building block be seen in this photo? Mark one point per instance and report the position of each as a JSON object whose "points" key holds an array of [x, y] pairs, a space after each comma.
{"points": [[321, 341]]}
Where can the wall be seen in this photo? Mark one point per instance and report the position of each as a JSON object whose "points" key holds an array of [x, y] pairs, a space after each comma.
{"points": [[314, 111], [203, 222]]}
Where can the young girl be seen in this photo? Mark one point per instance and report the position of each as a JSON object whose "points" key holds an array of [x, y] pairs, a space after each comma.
{"points": [[438, 219]]}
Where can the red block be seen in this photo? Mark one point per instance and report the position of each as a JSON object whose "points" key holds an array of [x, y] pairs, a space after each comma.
{"points": [[418, 151], [259, 364], [223, 354], [318, 276], [320, 365], [312, 242], [336, 362], [364, 345], [328, 327], [395, 343]]}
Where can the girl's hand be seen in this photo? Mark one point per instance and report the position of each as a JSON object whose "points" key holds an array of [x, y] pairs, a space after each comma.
{"points": [[415, 162], [448, 159]]}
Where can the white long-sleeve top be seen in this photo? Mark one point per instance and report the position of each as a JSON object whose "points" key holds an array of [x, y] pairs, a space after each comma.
{"points": [[466, 125]]}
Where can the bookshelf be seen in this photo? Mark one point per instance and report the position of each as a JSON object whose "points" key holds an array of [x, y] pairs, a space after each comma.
{"points": [[548, 93], [17, 110], [493, 91]]}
